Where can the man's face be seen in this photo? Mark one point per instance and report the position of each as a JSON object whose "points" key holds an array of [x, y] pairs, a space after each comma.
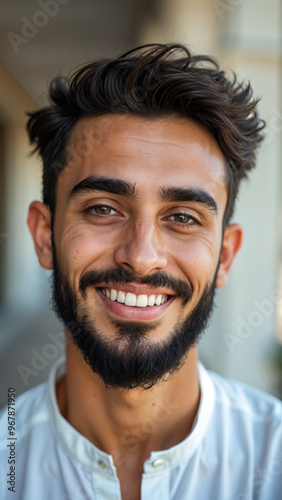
{"points": [[137, 238]]}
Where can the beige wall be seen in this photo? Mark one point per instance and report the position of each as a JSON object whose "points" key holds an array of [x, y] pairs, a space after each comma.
{"points": [[21, 177]]}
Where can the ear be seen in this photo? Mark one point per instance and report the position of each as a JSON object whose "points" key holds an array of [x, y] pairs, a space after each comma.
{"points": [[39, 221], [232, 242]]}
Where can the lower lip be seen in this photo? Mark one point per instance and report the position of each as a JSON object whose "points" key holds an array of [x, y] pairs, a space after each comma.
{"points": [[130, 312]]}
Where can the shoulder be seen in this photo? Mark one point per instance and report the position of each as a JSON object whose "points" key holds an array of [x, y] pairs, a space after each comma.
{"points": [[247, 421], [24, 433], [240, 399], [29, 411]]}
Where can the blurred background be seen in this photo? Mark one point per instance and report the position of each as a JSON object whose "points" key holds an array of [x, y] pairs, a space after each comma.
{"points": [[40, 39]]}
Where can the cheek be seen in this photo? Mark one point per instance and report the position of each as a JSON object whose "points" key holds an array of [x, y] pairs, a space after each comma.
{"points": [[197, 259], [81, 247]]}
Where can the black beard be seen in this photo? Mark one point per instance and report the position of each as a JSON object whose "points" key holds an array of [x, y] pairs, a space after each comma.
{"points": [[130, 359]]}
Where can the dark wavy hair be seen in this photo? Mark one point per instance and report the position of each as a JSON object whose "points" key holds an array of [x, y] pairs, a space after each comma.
{"points": [[151, 81]]}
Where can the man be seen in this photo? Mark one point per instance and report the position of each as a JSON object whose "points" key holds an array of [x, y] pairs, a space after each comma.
{"points": [[142, 160]]}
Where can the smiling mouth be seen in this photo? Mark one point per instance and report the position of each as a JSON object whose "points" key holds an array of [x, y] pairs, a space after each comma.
{"points": [[133, 300]]}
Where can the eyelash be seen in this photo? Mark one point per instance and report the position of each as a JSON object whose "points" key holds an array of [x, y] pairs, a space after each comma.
{"points": [[100, 216]]}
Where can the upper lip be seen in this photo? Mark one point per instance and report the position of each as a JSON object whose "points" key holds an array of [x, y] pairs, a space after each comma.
{"points": [[136, 289]]}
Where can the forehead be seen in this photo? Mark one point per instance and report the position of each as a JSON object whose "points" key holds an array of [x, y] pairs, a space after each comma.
{"points": [[147, 152]]}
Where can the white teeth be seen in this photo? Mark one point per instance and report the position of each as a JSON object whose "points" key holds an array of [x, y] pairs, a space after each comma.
{"points": [[142, 301], [130, 299], [151, 300], [158, 300], [121, 297]]}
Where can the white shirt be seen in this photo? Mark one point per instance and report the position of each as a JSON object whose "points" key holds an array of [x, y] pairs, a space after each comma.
{"points": [[234, 451]]}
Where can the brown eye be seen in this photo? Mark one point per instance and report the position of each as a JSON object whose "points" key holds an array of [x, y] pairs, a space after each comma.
{"points": [[183, 219], [102, 210]]}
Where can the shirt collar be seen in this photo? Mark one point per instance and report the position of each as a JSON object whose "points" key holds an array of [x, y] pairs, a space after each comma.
{"points": [[89, 456]]}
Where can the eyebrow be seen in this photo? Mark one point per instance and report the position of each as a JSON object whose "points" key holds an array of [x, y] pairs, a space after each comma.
{"points": [[106, 184], [180, 194], [127, 189]]}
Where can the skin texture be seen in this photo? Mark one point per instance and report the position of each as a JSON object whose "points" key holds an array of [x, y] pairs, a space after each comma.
{"points": [[143, 235]]}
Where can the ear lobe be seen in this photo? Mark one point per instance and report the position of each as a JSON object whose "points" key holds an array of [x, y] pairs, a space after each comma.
{"points": [[39, 221], [232, 242]]}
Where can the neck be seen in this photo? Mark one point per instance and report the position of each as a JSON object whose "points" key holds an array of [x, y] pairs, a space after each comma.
{"points": [[129, 423]]}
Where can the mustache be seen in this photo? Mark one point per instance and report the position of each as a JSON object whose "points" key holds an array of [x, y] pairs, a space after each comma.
{"points": [[120, 275]]}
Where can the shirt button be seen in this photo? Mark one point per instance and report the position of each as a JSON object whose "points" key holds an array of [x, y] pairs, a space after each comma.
{"points": [[102, 464], [158, 462]]}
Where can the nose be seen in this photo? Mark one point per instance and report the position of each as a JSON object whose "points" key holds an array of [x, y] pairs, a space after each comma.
{"points": [[141, 250]]}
